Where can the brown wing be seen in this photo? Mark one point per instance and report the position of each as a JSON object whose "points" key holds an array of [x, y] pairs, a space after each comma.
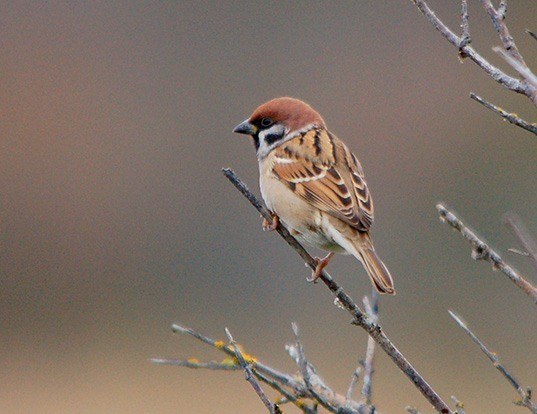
{"points": [[319, 168]]}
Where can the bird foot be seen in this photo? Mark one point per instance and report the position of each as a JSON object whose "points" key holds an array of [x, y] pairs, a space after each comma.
{"points": [[271, 226], [320, 264]]}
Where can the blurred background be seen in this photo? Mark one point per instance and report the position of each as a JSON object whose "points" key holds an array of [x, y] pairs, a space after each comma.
{"points": [[116, 220]]}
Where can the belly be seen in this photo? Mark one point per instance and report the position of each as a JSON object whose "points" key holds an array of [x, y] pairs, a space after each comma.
{"points": [[303, 221]]}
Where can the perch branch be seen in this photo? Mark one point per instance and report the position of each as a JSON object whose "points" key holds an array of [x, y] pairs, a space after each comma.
{"points": [[249, 375], [482, 251], [529, 244], [508, 116], [359, 317], [524, 395]]}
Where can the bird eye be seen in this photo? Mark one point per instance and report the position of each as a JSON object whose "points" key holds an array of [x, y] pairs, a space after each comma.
{"points": [[266, 122]]}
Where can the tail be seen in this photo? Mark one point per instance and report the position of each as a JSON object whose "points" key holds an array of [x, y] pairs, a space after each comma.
{"points": [[377, 271]]}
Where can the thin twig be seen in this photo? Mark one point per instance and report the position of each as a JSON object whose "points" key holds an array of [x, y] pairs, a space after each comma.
{"points": [[263, 371], [529, 244], [482, 251], [499, 76], [498, 21], [521, 68], [465, 25], [508, 116], [283, 378], [354, 382], [359, 318], [412, 410], [458, 405], [194, 364], [250, 377], [308, 372], [524, 395], [532, 34], [288, 397], [372, 308]]}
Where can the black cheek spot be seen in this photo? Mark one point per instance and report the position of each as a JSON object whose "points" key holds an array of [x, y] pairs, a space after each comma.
{"points": [[272, 138]]}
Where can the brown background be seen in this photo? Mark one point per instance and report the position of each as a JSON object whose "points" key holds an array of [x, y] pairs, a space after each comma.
{"points": [[116, 220]]}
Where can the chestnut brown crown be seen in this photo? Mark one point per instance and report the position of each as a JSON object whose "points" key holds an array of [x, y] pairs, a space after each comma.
{"points": [[293, 113]]}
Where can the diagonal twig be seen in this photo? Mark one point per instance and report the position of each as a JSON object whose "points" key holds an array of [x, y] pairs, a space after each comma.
{"points": [[465, 25], [312, 381], [353, 383], [282, 378], [249, 374], [524, 395], [482, 251], [359, 317], [498, 21], [468, 51], [508, 116]]}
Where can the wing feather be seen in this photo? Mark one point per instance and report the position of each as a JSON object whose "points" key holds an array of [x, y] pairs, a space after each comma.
{"points": [[308, 165]]}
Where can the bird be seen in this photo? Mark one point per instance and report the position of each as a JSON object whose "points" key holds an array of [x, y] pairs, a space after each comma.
{"points": [[314, 185]]}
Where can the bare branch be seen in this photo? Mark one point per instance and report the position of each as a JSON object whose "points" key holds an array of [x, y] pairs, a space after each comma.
{"points": [[508, 116], [359, 318], [466, 50], [481, 251], [288, 397], [465, 25], [372, 308], [521, 68], [498, 21], [524, 395], [195, 364], [282, 378], [311, 379], [529, 244], [249, 374], [354, 382], [274, 378]]}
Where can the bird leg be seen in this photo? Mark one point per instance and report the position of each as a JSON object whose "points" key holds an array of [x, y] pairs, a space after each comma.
{"points": [[320, 264], [271, 226]]}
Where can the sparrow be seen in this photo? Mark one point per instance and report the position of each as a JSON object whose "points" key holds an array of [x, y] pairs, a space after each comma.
{"points": [[314, 184]]}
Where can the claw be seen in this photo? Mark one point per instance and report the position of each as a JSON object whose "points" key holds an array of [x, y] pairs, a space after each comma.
{"points": [[271, 226], [320, 264]]}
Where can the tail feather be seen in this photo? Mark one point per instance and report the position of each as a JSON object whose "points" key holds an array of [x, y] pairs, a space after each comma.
{"points": [[379, 274], [377, 271]]}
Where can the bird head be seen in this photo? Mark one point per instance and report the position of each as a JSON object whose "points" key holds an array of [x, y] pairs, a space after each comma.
{"points": [[278, 121]]}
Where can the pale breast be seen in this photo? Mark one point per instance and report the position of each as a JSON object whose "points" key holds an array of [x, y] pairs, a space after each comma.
{"points": [[302, 220]]}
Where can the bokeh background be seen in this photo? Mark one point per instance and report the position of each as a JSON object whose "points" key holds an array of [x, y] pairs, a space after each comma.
{"points": [[116, 220]]}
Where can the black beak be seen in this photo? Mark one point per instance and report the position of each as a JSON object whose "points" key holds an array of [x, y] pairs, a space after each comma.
{"points": [[245, 128]]}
